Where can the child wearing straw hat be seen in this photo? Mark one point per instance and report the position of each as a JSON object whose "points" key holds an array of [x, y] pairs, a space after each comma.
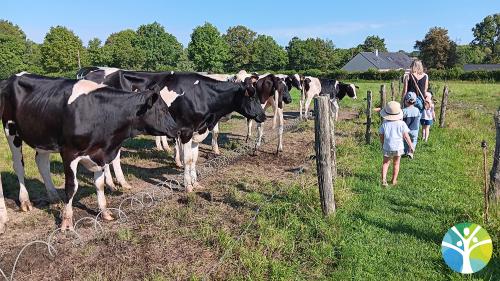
{"points": [[393, 132]]}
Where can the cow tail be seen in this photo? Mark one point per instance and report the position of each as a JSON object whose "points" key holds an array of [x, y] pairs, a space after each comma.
{"points": [[3, 85]]}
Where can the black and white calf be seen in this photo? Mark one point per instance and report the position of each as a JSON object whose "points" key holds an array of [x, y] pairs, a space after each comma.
{"points": [[272, 91], [312, 87], [196, 103], [83, 121]]}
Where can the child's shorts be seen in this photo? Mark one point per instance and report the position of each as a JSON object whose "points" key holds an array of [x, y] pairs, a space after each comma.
{"points": [[425, 122], [393, 153]]}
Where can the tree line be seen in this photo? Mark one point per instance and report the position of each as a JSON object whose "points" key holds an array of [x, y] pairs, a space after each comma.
{"points": [[152, 48]]}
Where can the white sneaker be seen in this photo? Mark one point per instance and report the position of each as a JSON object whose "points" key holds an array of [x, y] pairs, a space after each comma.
{"points": [[410, 155]]}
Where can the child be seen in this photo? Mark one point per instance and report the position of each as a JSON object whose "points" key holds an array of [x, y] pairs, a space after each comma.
{"points": [[392, 132], [411, 116], [428, 116]]}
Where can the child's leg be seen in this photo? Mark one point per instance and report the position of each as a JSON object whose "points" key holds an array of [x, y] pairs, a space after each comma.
{"points": [[427, 132], [395, 172], [423, 132], [385, 167]]}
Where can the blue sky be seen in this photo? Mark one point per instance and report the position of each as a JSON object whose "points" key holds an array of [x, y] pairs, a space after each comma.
{"points": [[347, 23]]}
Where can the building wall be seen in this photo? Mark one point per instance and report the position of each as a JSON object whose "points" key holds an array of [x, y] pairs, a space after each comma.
{"points": [[358, 63]]}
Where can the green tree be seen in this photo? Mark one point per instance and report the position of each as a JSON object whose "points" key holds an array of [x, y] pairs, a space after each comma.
{"points": [[311, 54], [240, 40], [267, 54], [60, 51], [436, 49], [373, 43], [96, 53], [469, 54], [184, 64], [33, 57], [207, 49], [161, 49], [12, 49], [121, 51], [487, 35]]}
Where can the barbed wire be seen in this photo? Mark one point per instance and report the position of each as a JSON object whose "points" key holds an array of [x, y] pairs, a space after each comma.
{"points": [[157, 193]]}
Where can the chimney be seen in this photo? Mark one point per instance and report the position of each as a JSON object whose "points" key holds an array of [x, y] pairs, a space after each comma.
{"points": [[376, 52]]}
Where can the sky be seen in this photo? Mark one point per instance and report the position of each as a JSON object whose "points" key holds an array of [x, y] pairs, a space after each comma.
{"points": [[346, 23]]}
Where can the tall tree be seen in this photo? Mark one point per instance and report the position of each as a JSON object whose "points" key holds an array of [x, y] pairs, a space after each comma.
{"points": [[161, 49], [469, 54], [184, 63], [33, 57], [207, 49], [311, 54], [60, 50], [240, 39], [12, 49], [436, 49], [487, 35], [267, 54], [373, 43], [96, 53], [121, 51]]}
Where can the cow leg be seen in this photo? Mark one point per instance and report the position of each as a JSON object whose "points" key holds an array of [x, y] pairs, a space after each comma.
{"points": [[70, 187], [260, 128], [275, 108], [306, 111], [178, 147], [336, 106], [3, 210], [188, 159], [158, 143], [109, 178], [249, 129], [164, 143], [194, 176], [101, 198], [15, 145], [117, 167], [280, 130], [301, 102], [215, 136], [42, 160]]}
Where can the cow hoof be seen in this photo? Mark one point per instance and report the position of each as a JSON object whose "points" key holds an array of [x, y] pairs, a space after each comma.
{"points": [[53, 198], [2, 228], [179, 165], [67, 224], [26, 206], [106, 215], [216, 152], [168, 149], [196, 185], [189, 188], [126, 186]]}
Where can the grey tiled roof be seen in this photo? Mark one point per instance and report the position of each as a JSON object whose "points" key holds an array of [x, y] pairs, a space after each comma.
{"points": [[487, 67], [388, 60]]}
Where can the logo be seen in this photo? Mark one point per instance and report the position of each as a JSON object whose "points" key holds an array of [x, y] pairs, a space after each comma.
{"points": [[467, 248]]}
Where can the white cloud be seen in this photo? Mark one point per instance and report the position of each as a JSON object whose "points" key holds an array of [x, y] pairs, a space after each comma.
{"points": [[323, 30]]}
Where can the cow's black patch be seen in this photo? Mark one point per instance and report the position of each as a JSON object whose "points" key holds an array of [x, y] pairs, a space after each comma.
{"points": [[17, 141], [11, 127]]}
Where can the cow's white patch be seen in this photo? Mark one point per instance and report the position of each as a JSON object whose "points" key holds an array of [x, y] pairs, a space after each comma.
{"points": [[22, 73], [197, 138], [168, 96], [196, 82], [172, 72], [296, 76], [354, 90], [83, 87], [89, 164], [109, 70]]}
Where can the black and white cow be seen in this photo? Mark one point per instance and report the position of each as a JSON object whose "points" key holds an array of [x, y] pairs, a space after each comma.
{"points": [[272, 91], [312, 87], [196, 103], [3, 210], [83, 121]]}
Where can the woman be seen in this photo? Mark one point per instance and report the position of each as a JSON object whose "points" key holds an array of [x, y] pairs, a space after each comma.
{"points": [[417, 82]]}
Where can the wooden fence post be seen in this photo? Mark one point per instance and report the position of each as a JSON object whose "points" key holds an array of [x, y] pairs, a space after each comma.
{"points": [[393, 90], [485, 190], [495, 169], [368, 116], [444, 103], [333, 145], [323, 153], [383, 98]]}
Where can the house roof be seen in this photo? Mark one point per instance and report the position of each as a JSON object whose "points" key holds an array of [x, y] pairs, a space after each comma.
{"points": [[487, 67], [388, 60]]}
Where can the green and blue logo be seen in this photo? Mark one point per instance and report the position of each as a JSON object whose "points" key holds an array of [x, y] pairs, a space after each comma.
{"points": [[467, 248]]}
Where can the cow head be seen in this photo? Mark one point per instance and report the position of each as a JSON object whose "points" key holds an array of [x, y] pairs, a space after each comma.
{"points": [[280, 86], [346, 89], [247, 102], [293, 81], [154, 117]]}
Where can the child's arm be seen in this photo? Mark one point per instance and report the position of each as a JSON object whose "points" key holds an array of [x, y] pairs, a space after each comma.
{"points": [[407, 138], [433, 113]]}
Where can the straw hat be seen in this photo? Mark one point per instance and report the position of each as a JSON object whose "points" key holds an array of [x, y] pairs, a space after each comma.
{"points": [[392, 111]]}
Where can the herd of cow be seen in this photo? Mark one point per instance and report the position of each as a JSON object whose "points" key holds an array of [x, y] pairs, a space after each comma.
{"points": [[88, 119]]}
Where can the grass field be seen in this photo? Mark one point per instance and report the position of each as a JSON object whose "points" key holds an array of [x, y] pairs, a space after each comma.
{"points": [[376, 234]]}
